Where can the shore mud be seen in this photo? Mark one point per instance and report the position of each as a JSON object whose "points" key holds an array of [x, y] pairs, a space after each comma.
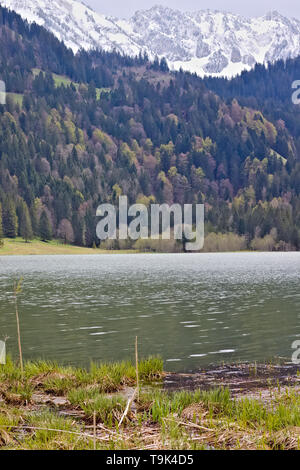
{"points": [[240, 379]]}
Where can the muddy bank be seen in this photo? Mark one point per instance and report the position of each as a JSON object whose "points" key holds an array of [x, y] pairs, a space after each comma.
{"points": [[241, 379]]}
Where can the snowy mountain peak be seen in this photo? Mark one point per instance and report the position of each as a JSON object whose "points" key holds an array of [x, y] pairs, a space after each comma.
{"points": [[207, 42]]}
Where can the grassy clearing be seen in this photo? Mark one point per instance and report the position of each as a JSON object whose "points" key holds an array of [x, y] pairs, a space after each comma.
{"points": [[16, 97], [18, 246], [53, 407], [60, 80]]}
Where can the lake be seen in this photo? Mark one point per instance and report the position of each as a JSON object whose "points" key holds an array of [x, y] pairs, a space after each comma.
{"points": [[194, 310]]}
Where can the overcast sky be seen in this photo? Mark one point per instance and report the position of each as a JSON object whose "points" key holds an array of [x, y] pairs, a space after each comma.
{"points": [[125, 8]]}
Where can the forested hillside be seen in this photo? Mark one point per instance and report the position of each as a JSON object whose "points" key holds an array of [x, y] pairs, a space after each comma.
{"points": [[268, 88], [80, 130]]}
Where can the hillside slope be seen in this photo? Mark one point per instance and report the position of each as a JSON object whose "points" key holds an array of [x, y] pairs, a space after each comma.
{"points": [[128, 126]]}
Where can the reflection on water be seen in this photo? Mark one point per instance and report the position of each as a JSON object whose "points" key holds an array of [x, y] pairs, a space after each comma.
{"points": [[193, 310]]}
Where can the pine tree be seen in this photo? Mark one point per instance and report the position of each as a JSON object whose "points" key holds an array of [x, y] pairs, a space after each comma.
{"points": [[79, 230], [90, 232], [45, 228], [10, 219], [25, 223], [1, 226], [34, 219]]}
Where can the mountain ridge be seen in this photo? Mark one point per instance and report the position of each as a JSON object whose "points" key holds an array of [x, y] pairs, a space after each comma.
{"points": [[205, 42]]}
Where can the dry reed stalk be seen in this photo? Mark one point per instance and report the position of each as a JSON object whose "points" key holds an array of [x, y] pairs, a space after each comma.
{"points": [[94, 424], [137, 368], [17, 290]]}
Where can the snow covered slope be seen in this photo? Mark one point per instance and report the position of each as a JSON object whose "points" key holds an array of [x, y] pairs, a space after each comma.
{"points": [[206, 42], [212, 42], [75, 24]]}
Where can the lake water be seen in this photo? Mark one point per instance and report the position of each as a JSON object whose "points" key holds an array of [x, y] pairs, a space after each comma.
{"points": [[192, 309]]}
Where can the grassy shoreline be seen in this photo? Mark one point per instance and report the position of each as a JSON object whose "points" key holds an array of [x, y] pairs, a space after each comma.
{"points": [[18, 247], [53, 407]]}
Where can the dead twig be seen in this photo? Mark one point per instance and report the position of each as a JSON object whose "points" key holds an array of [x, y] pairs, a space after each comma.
{"points": [[17, 291], [95, 431], [33, 428], [190, 425], [137, 368], [128, 406]]}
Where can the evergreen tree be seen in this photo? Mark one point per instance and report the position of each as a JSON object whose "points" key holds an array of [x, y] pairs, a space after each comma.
{"points": [[1, 226], [26, 231], [10, 219], [45, 228], [79, 230], [34, 220]]}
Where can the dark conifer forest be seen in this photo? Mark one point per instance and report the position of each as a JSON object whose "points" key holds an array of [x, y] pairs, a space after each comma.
{"points": [[79, 130]]}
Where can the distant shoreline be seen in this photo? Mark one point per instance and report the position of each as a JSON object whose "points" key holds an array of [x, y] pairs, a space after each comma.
{"points": [[18, 247]]}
